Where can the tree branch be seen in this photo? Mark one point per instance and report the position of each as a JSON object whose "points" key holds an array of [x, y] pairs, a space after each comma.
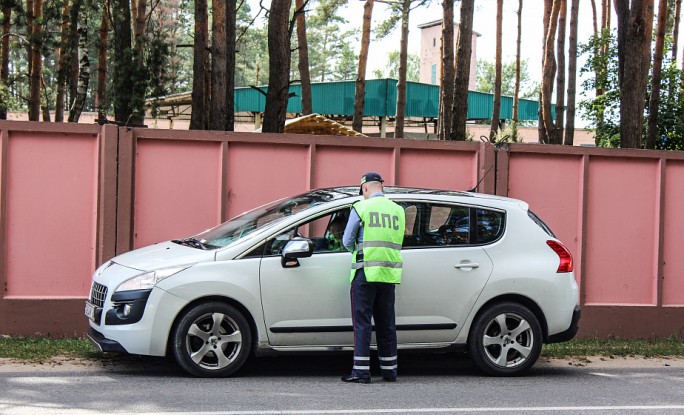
{"points": [[239, 38]]}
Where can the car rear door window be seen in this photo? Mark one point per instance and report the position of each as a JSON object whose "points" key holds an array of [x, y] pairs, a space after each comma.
{"points": [[429, 225]]}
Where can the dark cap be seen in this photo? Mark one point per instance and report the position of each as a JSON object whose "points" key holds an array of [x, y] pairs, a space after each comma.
{"points": [[369, 177]]}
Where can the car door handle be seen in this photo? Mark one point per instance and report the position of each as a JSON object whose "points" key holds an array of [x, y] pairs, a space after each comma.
{"points": [[467, 265]]}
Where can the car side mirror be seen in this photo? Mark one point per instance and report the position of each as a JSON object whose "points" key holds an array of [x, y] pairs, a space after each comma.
{"points": [[296, 248]]}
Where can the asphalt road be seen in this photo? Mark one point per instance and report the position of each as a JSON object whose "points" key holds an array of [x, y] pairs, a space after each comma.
{"points": [[428, 384]]}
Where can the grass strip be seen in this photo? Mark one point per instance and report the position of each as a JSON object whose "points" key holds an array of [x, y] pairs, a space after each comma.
{"points": [[672, 346], [43, 348]]}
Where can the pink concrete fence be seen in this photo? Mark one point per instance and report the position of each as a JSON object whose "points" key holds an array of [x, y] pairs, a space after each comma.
{"points": [[72, 196], [620, 213]]}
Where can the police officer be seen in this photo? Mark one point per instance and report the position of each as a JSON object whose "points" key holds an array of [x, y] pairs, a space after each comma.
{"points": [[374, 234]]}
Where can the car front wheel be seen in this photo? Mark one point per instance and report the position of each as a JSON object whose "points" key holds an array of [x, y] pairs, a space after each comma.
{"points": [[505, 340], [211, 340]]}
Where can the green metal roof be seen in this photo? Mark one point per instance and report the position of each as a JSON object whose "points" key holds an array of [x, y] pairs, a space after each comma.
{"points": [[422, 100]]}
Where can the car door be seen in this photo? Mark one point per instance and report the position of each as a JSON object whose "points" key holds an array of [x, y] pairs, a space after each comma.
{"points": [[308, 305], [445, 270]]}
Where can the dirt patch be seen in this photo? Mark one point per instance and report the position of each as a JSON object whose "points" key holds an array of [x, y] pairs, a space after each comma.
{"points": [[615, 362], [60, 363]]}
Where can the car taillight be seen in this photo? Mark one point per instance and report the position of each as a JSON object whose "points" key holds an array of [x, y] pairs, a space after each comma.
{"points": [[564, 254]]}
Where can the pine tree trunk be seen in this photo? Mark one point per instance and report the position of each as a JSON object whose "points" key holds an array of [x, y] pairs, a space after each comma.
{"points": [[605, 25], [140, 15], [279, 67], [675, 31], [44, 109], [605, 17], [36, 61], [199, 88], [516, 94], [303, 52], [654, 102], [496, 110], [102, 45], [623, 15], [572, 74], [360, 90], [134, 17], [446, 85], [231, 17], [123, 62], [462, 77], [548, 128], [401, 85], [72, 50], [61, 64], [560, 79], [83, 74], [634, 55], [29, 37], [217, 111], [548, 7], [4, 53]]}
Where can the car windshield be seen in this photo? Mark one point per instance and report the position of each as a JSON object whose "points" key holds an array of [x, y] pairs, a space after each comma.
{"points": [[259, 218]]}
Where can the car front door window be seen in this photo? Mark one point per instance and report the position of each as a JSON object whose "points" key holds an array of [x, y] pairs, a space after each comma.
{"points": [[324, 231]]}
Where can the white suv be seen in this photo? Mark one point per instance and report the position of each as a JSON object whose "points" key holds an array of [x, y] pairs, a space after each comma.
{"points": [[480, 272]]}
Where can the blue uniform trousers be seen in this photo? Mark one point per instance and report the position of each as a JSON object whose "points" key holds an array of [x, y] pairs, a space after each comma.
{"points": [[373, 300]]}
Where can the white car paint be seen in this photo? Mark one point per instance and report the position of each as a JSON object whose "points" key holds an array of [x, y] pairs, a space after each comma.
{"points": [[442, 291]]}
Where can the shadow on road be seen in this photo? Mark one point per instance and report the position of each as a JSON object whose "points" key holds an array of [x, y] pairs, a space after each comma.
{"points": [[318, 365]]}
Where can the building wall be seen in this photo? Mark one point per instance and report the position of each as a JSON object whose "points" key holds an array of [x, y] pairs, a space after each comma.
{"points": [[430, 54]]}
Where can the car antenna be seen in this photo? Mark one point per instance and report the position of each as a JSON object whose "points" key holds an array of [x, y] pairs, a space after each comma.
{"points": [[474, 189]]}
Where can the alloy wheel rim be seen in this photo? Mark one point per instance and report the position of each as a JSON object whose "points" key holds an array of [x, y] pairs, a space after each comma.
{"points": [[508, 340], [213, 341]]}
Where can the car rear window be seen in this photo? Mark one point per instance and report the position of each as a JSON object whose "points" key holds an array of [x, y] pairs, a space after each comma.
{"points": [[490, 225], [536, 219]]}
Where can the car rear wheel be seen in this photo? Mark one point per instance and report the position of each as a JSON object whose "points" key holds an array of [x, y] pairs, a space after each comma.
{"points": [[505, 340], [211, 340]]}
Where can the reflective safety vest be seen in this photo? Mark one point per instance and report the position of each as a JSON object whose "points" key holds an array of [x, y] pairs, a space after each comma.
{"points": [[383, 233]]}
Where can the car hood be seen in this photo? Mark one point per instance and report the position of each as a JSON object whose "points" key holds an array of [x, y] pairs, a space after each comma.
{"points": [[163, 255]]}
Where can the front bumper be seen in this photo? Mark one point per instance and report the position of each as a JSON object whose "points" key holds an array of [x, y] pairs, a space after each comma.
{"points": [[104, 344], [570, 333], [147, 336]]}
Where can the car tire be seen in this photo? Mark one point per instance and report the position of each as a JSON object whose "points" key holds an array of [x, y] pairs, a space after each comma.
{"points": [[505, 339], [211, 340]]}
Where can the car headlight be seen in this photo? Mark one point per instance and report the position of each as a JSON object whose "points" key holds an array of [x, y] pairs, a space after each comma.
{"points": [[149, 279]]}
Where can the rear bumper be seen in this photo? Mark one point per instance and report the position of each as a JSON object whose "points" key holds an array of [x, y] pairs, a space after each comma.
{"points": [[570, 333], [104, 344]]}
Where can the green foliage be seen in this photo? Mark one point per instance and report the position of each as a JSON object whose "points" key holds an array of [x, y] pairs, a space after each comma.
{"points": [[670, 110], [251, 57], [331, 51], [7, 101], [603, 111], [486, 73], [347, 63], [396, 8], [392, 68]]}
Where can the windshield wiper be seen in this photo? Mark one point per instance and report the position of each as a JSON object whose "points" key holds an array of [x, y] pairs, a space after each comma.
{"points": [[192, 242]]}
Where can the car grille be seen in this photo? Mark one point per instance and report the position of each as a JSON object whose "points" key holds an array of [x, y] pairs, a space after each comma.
{"points": [[98, 294]]}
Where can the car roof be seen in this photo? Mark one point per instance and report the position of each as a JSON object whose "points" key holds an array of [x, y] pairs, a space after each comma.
{"points": [[342, 192]]}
